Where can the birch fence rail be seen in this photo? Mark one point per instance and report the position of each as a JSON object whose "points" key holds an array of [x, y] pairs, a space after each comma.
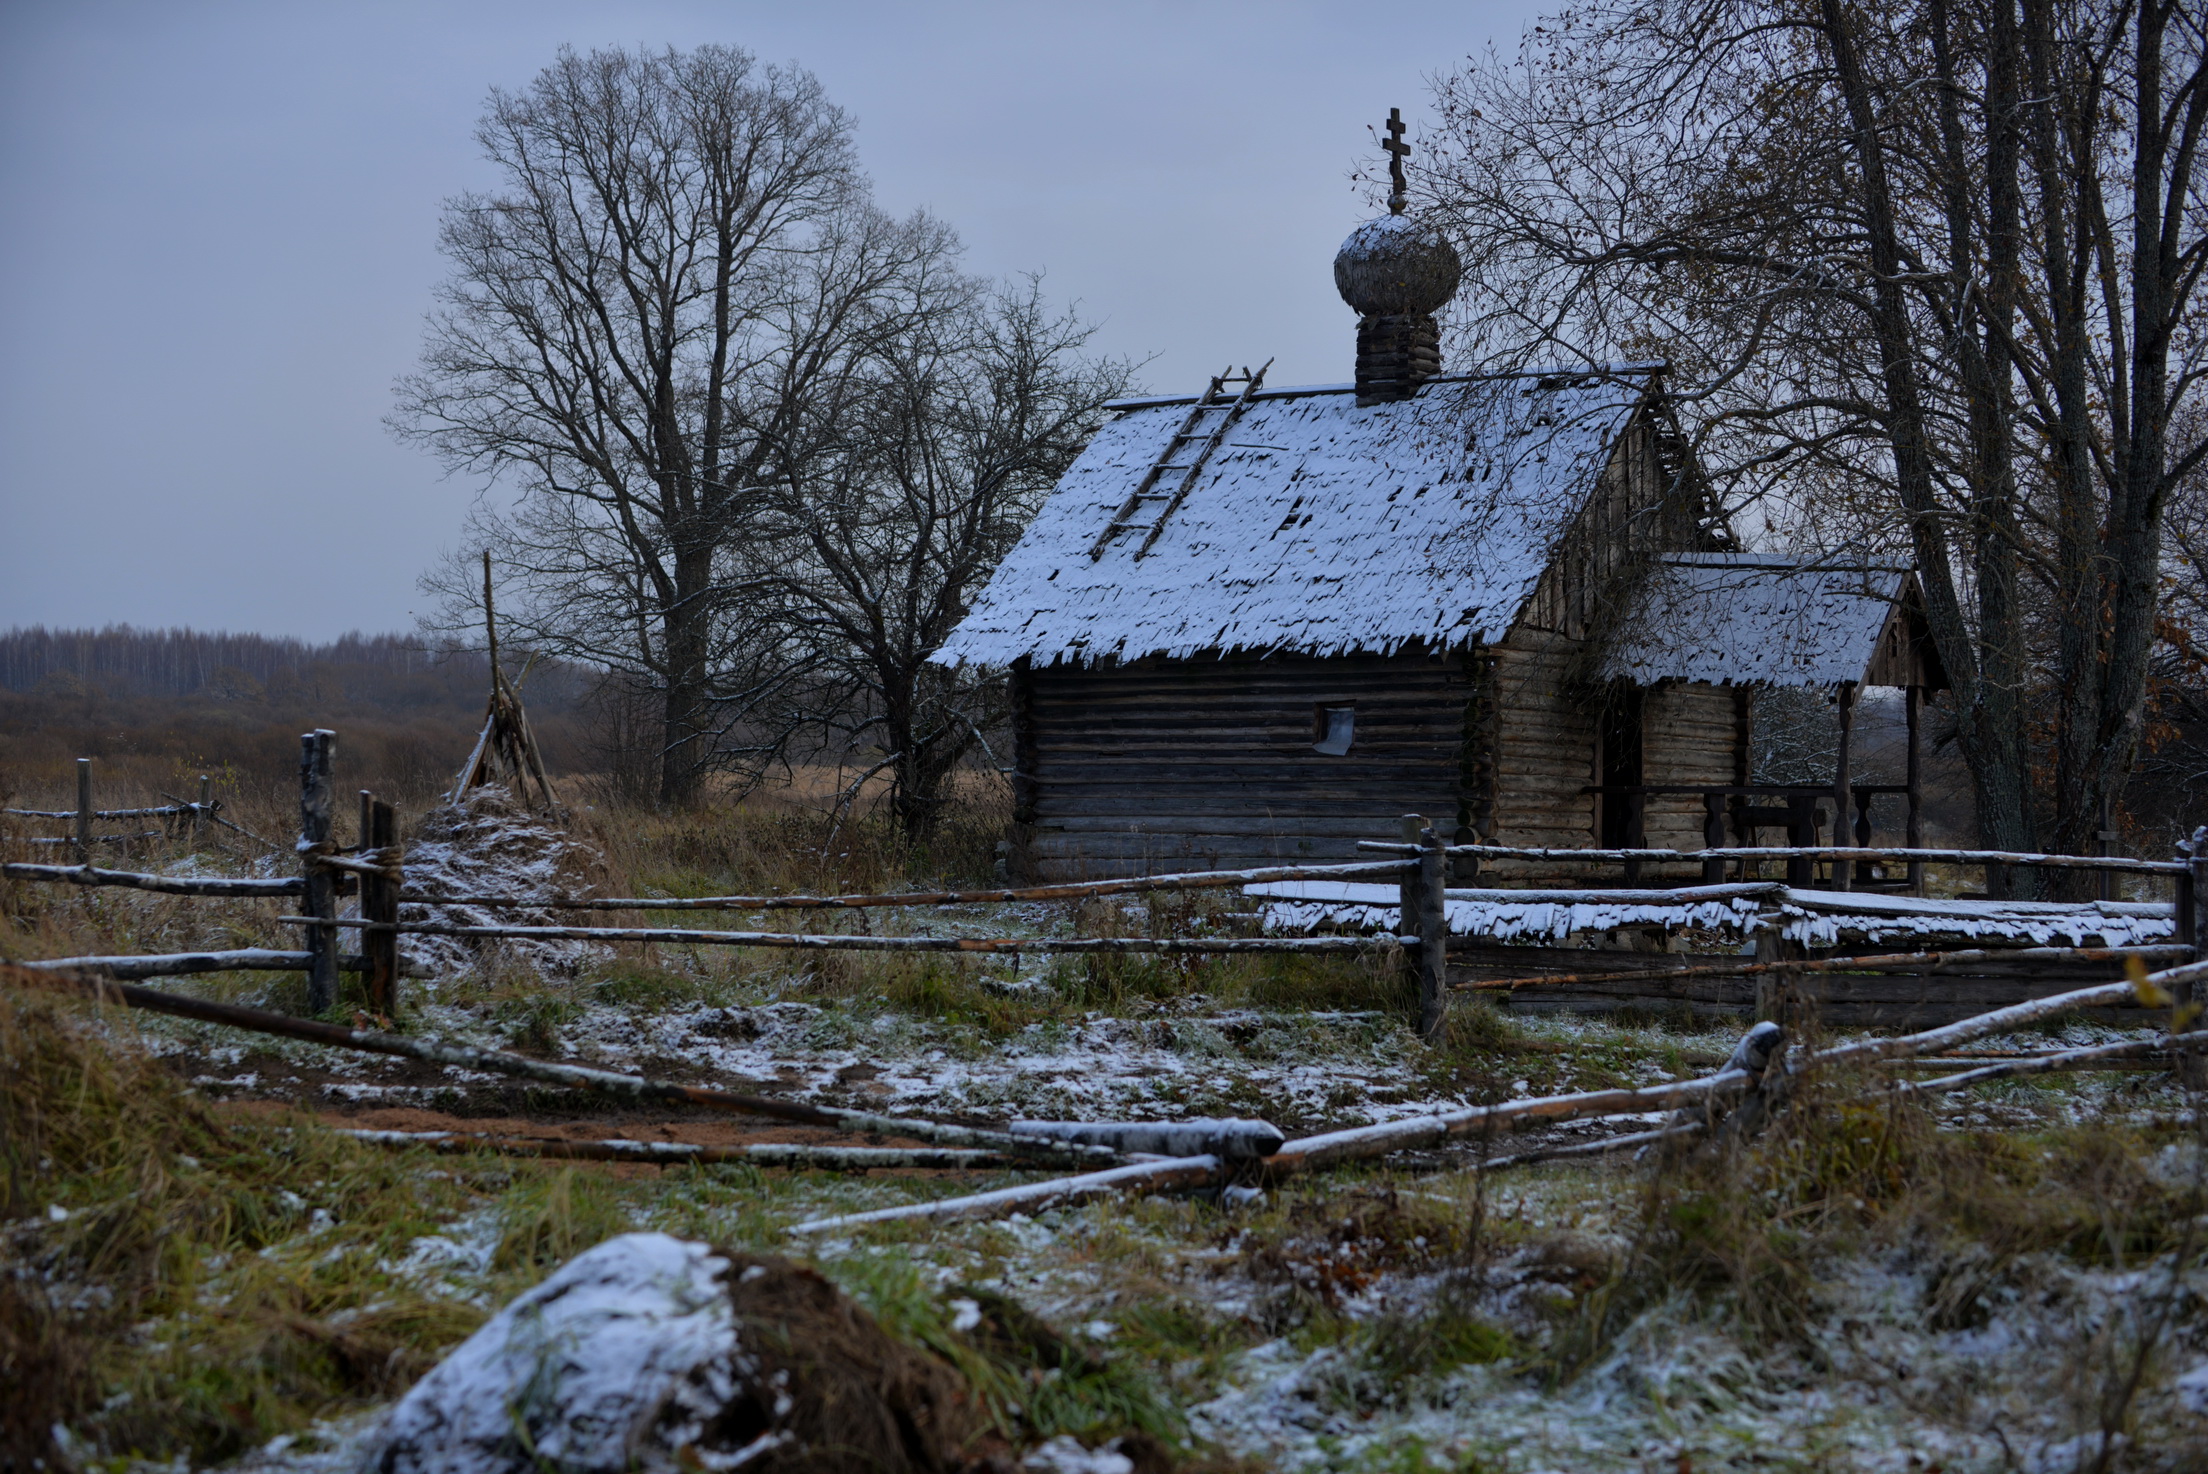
{"points": [[373, 869]]}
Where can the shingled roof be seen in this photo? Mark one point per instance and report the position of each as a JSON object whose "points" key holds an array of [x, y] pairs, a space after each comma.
{"points": [[1747, 618], [1318, 527]]}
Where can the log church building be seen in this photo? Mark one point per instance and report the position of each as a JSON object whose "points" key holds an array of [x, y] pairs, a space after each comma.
{"points": [[1257, 624]]}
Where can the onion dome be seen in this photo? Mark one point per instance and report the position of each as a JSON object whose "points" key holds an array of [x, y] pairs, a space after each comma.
{"points": [[1393, 265]]}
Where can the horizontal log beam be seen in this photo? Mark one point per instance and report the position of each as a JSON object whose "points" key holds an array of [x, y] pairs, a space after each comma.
{"points": [[1066, 891], [159, 813], [168, 885], [796, 1155], [1805, 852], [1890, 960], [836, 942], [97, 838], [182, 964]]}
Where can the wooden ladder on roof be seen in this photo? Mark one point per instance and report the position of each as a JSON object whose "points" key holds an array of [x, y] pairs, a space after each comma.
{"points": [[1167, 483]]}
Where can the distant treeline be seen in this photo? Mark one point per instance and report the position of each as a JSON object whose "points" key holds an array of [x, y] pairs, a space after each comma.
{"points": [[155, 708], [395, 671]]}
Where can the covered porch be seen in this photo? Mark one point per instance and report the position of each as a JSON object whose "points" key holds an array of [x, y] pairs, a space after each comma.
{"points": [[1749, 621]]}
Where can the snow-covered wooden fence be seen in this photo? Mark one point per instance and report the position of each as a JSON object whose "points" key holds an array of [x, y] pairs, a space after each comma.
{"points": [[1419, 916]]}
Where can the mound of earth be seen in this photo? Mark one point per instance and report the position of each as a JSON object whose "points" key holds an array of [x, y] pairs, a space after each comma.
{"points": [[651, 1353]]}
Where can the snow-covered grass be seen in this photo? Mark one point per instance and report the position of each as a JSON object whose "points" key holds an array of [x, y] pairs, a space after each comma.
{"points": [[2011, 1278]]}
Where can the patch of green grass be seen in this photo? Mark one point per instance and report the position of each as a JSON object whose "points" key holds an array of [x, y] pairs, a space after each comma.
{"points": [[182, 1283], [533, 1021], [628, 982], [553, 1216], [1037, 1383]]}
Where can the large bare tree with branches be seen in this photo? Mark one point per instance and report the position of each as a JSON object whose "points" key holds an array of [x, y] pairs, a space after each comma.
{"points": [[678, 245], [1926, 275], [762, 439], [917, 483]]}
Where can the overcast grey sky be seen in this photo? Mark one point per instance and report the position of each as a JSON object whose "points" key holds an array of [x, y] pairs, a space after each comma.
{"points": [[217, 239]]}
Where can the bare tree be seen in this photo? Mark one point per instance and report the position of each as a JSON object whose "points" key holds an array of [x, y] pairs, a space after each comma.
{"points": [[913, 483], [677, 246], [1925, 275]]}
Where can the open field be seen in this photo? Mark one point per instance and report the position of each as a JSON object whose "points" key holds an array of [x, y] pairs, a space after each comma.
{"points": [[2014, 1277]]}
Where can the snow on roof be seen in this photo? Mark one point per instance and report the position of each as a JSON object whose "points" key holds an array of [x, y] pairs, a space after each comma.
{"points": [[1318, 526], [1750, 618]]}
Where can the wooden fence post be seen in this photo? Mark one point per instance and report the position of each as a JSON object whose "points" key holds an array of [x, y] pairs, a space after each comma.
{"points": [[2190, 1069], [379, 901], [1713, 836], [1773, 989], [199, 811], [1407, 923], [319, 900], [2105, 839], [84, 811], [1433, 934], [1421, 916], [1843, 792], [1914, 835]]}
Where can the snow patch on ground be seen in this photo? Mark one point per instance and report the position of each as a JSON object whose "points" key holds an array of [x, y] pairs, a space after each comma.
{"points": [[617, 1362]]}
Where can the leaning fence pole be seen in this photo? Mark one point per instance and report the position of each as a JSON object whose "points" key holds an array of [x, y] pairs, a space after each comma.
{"points": [[319, 896], [379, 901]]}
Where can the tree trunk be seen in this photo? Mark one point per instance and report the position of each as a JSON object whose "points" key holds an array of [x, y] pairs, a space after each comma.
{"points": [[687, 628], [1989, 701]]}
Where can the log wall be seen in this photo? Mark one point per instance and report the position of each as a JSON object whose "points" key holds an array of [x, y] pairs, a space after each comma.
{"points": [[1920, 999], [1162, 765], [1689, 734]]}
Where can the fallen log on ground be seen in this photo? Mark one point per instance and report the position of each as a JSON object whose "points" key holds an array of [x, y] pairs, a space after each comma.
{"points": [[1592, 1148], [167, 885], [675, 1153], [1295, 1156], [1416, 1132], [836, 941], [1233, 1140], [1067, 891], [1999, 1021], [1428, 1131], [606, 1082], [1881, 962], [2064, 1059], [1034, 1197]]}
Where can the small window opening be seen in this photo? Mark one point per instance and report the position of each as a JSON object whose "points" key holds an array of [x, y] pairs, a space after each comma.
{"points": [[1332, 729]]}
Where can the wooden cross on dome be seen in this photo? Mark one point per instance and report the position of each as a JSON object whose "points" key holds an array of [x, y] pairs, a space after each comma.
{"points": [[1398, 151]]}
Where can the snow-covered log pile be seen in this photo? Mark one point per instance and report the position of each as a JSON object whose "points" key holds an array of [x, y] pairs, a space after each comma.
{"points": [[656, 1354], [490, 844], [1812, 917]]}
